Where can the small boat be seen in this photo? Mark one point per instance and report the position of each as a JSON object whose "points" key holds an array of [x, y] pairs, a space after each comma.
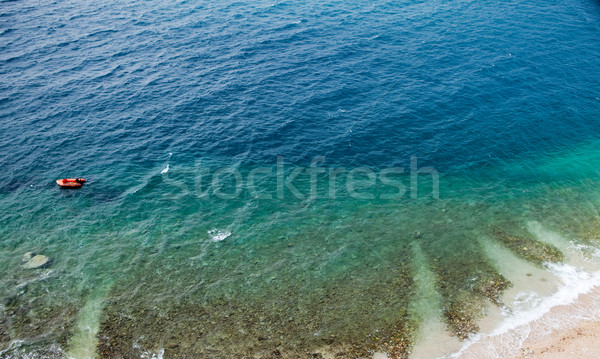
{"points": [[70, 182]]}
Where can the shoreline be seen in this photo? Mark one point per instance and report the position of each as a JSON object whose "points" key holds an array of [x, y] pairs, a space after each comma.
{"points": [[566, 330]]}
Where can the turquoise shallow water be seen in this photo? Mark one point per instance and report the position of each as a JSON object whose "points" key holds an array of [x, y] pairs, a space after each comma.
{"points": [[149, 100]]}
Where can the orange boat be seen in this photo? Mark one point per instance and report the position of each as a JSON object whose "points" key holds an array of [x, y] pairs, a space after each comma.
{"points": [[70, 182]]}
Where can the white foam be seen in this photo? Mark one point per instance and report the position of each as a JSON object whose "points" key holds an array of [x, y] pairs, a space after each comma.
{"points": [[218, 235], [575, 283], [21, 350], [44, 275], [166, 169], [150, 355], [589, 254], [13, 344], [523, 301]]}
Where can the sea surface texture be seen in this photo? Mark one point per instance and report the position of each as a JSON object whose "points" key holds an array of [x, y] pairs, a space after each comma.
{"points": [[291, 179]]}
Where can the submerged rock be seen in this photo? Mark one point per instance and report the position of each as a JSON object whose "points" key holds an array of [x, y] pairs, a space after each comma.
{"points": [[37, 261], [27, 257]]}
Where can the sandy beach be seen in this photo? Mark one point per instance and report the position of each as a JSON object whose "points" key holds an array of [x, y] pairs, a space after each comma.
{"points": [[578, 342], [566, 331]]}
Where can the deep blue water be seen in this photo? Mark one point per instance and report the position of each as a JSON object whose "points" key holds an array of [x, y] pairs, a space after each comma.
{"points": [[480, 90], [101, 87]]}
